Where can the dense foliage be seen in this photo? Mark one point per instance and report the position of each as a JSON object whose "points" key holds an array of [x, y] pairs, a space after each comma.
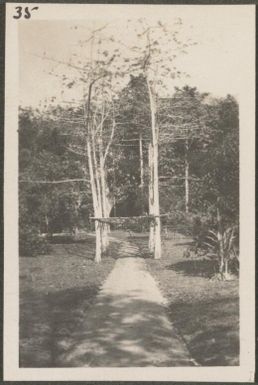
{"points": [[204, 129], [47, 205]]}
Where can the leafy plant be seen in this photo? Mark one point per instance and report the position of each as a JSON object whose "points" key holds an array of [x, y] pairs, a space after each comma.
{"points": [[222, 246]]}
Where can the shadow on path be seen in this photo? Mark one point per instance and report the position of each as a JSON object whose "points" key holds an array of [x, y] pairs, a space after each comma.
{"points": [[124, 332], [127, 326]]}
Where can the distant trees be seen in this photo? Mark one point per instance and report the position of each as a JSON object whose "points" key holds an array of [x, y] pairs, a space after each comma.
{"points": [[131, 146], [51, 183], [201, 143], [183, 126], [199, 166], [55, 191]]}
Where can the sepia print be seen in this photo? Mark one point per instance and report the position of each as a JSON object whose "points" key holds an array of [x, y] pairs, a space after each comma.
{"points": [[129, 192]]}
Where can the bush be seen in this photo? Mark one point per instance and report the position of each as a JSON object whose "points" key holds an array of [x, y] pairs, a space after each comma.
{"points": [[223, 249], [30, 243], [199, 230], [179, 222]]}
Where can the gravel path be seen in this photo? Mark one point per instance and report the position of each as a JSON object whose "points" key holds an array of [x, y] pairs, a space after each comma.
{"points": [[128, 325]]}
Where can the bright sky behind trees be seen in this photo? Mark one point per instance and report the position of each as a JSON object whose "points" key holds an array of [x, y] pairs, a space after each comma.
{"points": [[215, 64]]}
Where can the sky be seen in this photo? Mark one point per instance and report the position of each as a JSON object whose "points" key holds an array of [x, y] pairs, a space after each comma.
{"points": [[214, 65]]}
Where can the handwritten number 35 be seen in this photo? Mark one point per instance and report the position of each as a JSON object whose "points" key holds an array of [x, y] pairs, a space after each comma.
{"points": [[26, 13]]}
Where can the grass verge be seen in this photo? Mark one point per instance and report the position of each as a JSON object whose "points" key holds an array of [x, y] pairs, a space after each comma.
{"points": [[205, 312], [55, 292]]}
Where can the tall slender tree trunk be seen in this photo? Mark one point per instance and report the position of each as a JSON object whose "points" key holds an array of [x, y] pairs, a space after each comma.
{"points": [[94, 178], [47, 223], [77, 206], [114, 184], [98, 235], [154, 171], [142, 177], [151, 200], [186, 177], [220, 240], [141, 163], [157, 235], [96, 205], [105, 205]]}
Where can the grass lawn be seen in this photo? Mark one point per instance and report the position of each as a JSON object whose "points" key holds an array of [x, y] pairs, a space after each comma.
{"points": [[205, 312], [55, 292]]}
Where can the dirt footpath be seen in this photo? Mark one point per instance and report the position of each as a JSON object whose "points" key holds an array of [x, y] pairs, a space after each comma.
{"points": [[128, 325]]}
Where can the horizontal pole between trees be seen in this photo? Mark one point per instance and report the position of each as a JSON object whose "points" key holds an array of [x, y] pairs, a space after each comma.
{"points": [[54, 181], [124, 218], [163, 177], [135, 140]]}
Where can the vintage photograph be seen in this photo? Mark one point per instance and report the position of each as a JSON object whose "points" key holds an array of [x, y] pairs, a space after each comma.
{"points": [[128, 157]]}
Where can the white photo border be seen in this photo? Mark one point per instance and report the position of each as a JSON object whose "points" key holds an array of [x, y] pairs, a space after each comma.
{"points": [[12, 372]]}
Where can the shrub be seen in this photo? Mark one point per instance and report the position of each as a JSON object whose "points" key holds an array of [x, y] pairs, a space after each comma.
{"points": [[200, 226], [30, 243], [179, 222]]}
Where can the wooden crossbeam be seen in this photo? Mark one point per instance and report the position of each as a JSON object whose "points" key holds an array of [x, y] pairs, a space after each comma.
{"points": [[118, 218], [164, 177], [54, 181], [114, 219], [134, 140]]}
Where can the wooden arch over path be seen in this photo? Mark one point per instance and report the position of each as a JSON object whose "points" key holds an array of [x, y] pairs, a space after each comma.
{"points": [[150, 219], [102, 223], [97, 155]]}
